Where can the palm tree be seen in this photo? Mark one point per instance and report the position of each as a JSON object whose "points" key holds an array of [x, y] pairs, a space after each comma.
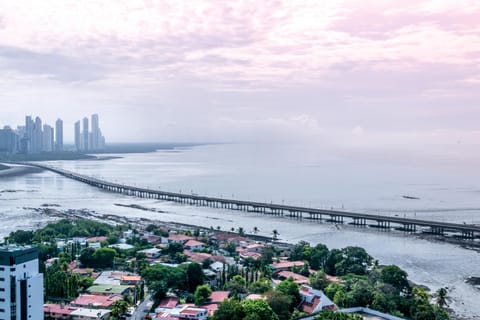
{"points": [[442, 297], [275, 234], [241, 231]]}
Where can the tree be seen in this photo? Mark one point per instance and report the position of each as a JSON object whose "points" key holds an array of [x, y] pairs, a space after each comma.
{"points": [[119, 307], [290, 288], [261, 286], [229, 309], [103, 258], [201, 295], [194, 276], [330, 315], [442, 297], [318, 280], [318, 256], [280, 304], [258, 309], [237, 285], [275, 234], [396, 277]]}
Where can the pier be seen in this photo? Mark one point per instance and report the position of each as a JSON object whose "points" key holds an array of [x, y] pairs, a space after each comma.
{"points": [[408, 225]]}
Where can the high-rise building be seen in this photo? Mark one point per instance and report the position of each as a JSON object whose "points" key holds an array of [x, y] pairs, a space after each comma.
{"points": [[48, 142], [9, 142], [21, 285], [28, 138], [78, 139], [59, 135], [85, 135], [37, 137], [95, 133]]}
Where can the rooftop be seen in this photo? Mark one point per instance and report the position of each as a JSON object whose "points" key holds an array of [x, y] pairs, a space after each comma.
{"points": [[91, 300], [108, 289]]}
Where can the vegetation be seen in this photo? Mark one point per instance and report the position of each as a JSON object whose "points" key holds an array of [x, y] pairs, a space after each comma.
{"points": [[362, 281], [246, 310]]}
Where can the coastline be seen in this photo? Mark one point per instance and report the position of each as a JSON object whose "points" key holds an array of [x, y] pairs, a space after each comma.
{"points": [[18, 171]]}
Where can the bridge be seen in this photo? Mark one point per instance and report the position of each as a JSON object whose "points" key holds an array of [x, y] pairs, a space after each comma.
{"points": [[464, 231]]}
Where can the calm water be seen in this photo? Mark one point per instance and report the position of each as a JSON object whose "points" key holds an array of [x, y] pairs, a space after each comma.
{"points": [[289, 174]]}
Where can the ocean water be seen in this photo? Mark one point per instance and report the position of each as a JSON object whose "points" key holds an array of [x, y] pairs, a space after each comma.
{"points": [[296, 175]]}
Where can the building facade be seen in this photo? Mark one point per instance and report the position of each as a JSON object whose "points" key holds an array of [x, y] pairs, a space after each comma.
{"points": [[21, 285], [59, 135]]}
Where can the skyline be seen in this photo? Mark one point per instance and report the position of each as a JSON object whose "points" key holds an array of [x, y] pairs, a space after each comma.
{"points": [[276, 71]]}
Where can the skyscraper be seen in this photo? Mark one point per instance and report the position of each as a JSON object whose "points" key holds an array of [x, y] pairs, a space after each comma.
{"points": [[95, 133], [28, 138], [37, 138], [78, 139], [48, 142], [21, 285], [85, 134], [59, 135]]}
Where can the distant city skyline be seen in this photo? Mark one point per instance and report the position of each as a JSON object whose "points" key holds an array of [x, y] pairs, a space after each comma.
{"points": [[35, 136], [384, 78]]}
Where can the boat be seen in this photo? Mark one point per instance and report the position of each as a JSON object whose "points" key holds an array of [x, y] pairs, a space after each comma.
{"points": [[410, 197]]}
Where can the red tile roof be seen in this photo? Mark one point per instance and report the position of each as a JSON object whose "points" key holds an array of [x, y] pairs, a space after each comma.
{"points": [[95, 301], [298, 278], [287, 264], [97, 239], [194, 243], [179, 237], [218, 296], [58, 309], [170, 303]]}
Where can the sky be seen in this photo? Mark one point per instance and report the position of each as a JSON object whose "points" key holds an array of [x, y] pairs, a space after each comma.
{"points": [[364, 75]]}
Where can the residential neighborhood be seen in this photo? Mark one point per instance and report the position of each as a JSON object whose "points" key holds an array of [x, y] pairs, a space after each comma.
{"points": [[121, 272]]}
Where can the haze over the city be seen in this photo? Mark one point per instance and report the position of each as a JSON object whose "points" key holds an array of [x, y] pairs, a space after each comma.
{"points": [[386, 77]]}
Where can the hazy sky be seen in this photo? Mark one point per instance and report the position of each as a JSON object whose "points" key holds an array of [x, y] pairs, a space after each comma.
{"points": [[352, 73]]}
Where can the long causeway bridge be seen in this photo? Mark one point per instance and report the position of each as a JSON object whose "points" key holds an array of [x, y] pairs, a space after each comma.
{"points": [[465, 231]]}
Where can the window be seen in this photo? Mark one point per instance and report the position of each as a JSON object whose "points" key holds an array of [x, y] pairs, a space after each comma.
{"points": [[2, 269], [12, 269], [2, 279]]}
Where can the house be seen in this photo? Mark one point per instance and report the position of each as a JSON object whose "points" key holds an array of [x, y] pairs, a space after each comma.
{"points": [[255, 296], [367, 313], [297, 278], [314, 300], [189, 312], [286, 265], [151, 253], [194, 245], [256, 247], [218, 297], [217, 266], [121, 246], [90, 314], [57, 311], [95, 301], [130, 280], [179, 238], [107, 290], [61, 312], [167, 303]]}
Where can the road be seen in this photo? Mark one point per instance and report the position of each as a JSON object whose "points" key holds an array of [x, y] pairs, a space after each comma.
{"points": [[139, 313]]}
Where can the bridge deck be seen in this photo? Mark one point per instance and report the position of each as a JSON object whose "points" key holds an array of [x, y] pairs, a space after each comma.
{"points": [[261, 206]]}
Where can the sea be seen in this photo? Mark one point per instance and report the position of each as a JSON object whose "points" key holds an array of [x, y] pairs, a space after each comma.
{"points": [[286, 174]]}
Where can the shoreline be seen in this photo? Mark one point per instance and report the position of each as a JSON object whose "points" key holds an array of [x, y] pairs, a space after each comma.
{"points": [[15, 171]]}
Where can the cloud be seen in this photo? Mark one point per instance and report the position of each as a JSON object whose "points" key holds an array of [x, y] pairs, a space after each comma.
{"points": [[219, 71]]}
